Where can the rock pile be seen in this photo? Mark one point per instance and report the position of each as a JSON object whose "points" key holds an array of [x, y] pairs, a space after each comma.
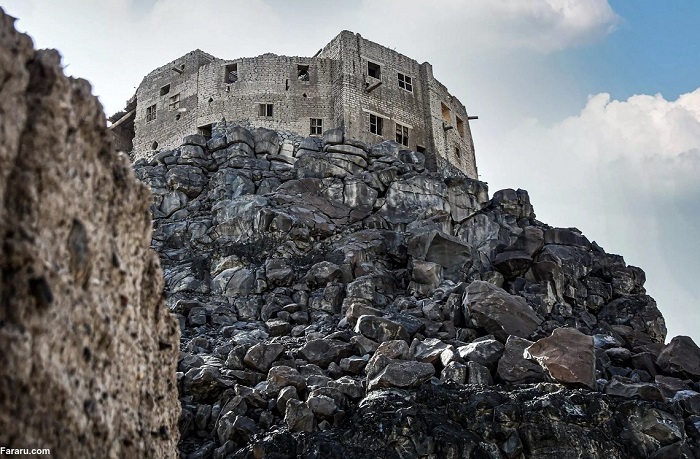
{"points": [[338, 300], [89, 350]]}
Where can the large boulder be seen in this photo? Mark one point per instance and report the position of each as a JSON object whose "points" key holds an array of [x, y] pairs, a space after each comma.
{"points": [[89, 350], [499, 312], [681, 356], [514, 368], [415, 198], [567, 355]]}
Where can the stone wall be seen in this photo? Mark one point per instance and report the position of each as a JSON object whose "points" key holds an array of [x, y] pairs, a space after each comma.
{"points": [[338, 90], [89, 349]]}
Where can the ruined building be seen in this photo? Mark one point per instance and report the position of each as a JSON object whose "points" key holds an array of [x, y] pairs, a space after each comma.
{"points": [[371, 91]]}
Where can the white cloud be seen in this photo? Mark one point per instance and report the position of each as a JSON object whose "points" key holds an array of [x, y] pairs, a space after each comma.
{"points": [[626, 173]]}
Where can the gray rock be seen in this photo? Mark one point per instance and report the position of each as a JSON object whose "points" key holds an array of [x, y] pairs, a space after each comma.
{"points": [[499, 312], [485, 351], [454, 372], [267, 141], [281, 376], [429, 350], [514, 368], [238, 134], [414, 198], [322, 406], [401, 373], [478, 375], [333, 137], [681, 356], [380, 329], [299, 417], [321, 352], [643, 391], [188, 179], [261, 356]]}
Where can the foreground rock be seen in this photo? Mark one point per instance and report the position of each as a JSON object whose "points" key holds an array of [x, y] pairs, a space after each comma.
{"points": [[567, 356], [89, 349]]}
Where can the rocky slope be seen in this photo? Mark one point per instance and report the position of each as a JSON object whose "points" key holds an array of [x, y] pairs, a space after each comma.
{"points": [[89, 350], [338, 300]]}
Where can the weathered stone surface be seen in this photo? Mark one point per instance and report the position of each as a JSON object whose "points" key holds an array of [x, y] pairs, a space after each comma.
{"points": [[380, 329], [485, 351], [681, 356], [567, 355], [261, 356], [401, 373], [513, 367], [430, 244], [321, 352], [478, 374], [89, 348], [498, 311], [299, 417], [644, 391], [281, 376], [415, 198]]}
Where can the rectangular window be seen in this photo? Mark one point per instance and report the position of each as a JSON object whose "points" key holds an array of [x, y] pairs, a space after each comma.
{"points": [[458, 154], [316, 126], [460, 126], [165, 89], [303, 72], [402, 134], [151, 113], [174, 102], [376, 124], [231, 73], [265, 110], [374, 70], [405, 82], [446, 114]]}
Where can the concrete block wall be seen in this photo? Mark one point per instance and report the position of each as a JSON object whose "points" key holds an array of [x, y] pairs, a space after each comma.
{"points": [[336, 92]]}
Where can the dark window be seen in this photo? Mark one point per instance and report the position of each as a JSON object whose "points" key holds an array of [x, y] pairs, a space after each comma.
{"points": [[376, 124], [460, 126], [265, 110], [154, 145], [405, 82], [164, 90], [174, 103], [205, 130], [316, 126], [402, 134], [303, 72], [151, 113], [231, 73], [374, 70], [458, 154]]}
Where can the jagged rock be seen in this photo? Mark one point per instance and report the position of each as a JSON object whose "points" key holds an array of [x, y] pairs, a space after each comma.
{"points": [[321, 352], [299, 417], [513, 367], [89, 348], [680, 356], [478, 374], [454, 372], [380, 329], [499, 312], [429, 350], [401, 373], [261, 356], [430, 244], [485, 351], [281, 376], [637, 311], [415, 198], [567, 355], [322, 406], [237, 428], [644, 391]]}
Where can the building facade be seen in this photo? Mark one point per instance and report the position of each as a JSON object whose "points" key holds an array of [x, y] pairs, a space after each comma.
{"points": [[371, 91]]}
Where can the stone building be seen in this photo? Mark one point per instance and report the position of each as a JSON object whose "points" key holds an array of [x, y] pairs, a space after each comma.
{"points": [[371, 91]]}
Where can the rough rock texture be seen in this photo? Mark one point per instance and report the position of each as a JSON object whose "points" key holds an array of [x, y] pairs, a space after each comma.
{"points": [[352, 304], [89, 349], [567, 355]]}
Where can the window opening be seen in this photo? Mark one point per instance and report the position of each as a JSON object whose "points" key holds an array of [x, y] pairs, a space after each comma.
{"points": [[154, 146], [151, 113], [420, 148], [376, 124], [303, 72], [265, 110], [460, 126], [204, 130], [446, 115], [402, 134], [458, 154], [316, 127], [374, 70], [165, 89], [231, 73], [174, 102], [405, 82]]}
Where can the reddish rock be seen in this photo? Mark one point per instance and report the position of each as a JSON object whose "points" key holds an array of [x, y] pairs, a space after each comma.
{"points": [[568, 356]]}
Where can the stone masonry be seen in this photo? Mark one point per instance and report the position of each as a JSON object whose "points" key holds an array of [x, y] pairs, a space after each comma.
{"points": [[372, 92]]}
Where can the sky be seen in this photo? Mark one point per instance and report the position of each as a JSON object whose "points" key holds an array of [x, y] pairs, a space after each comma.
{"points": [[593, 106]]}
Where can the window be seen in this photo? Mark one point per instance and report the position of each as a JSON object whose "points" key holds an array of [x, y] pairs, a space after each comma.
{"points": [[458, 154], [375, 124], [165, 89], [174, 103], [405, 82], [265, 110], [316, 126], [374, 70], [150, 113], [460, 126], [402, 134], [231, 73], [205, 130], [303, 72], [446, 115]]}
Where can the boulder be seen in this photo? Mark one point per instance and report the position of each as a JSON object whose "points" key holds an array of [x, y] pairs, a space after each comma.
{"points": [[485, 351], [499, 312], [568, 356], [680, 357], [321, 352], [414, 198], [401, 373], [299, 417], [478, 374], [380, 329], [514, 368], [430, 244], [261, 356], [282, 376]]}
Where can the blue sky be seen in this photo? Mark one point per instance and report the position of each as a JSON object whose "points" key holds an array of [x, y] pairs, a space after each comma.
{"points": [[593, 106]]}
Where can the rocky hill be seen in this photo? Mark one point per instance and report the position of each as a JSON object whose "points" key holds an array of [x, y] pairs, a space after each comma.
{"points": [[338, 300]]}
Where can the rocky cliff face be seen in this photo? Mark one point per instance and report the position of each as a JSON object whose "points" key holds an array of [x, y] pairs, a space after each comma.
{"points": [[88, 357], [337, 300]]}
